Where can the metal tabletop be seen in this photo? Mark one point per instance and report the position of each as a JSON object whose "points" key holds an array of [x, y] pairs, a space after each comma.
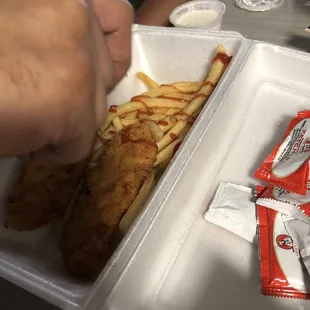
{"points": [[284, 26]]}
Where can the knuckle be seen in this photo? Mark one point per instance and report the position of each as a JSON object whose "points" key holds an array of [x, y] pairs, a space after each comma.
{"points": [[130, 10], [71, 99], [77, 28], [127, 12], [78, 77]]}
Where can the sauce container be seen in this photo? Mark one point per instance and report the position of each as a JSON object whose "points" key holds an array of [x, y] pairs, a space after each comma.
{"points": [[204, 14]]}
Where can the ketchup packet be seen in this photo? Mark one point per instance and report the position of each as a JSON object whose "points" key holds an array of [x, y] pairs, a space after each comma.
{"points": [[300, 233], [287, 166], [283, 201], [283, 271], [279, 193], [259, 189], [233, 208]]}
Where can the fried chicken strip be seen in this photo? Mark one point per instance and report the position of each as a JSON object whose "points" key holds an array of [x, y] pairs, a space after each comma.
{"points": [[91, 227], [41, 195]]}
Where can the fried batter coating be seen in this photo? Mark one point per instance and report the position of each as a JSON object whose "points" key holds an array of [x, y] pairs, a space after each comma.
{"points": [[91, 227], [41, 195]]}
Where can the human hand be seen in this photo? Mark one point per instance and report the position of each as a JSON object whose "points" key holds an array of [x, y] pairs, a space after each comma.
{"points": [[115, 20], [56, 68], [157, 12]]}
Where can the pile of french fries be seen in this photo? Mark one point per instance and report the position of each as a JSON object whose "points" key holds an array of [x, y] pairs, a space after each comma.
{"points": [[168, 109]]}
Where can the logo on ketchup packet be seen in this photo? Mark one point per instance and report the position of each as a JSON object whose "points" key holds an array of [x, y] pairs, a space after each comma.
{"points": [[285, 242], [282, 273], [306, 145], [281, 269]]}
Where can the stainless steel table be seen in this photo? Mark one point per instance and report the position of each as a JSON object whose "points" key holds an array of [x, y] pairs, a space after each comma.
{"points": [[284, 26]]}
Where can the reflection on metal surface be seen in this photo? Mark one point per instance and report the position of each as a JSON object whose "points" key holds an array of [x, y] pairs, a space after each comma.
{"points": [[258, 5], [283, 26]]}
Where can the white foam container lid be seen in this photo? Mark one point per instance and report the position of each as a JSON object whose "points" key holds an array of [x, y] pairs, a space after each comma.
{"points": [[184, 262], [172, 258]]}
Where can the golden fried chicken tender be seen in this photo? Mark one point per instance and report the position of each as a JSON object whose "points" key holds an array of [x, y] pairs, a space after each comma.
{"points": [[91, 227], [41, 195]]}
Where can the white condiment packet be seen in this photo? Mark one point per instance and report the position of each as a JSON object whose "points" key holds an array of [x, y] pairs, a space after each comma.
{"points": [[233, 208]]}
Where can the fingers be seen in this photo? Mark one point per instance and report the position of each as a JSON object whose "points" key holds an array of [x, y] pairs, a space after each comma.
{"points": [[102, 56], [116, 18], [64, 154]]}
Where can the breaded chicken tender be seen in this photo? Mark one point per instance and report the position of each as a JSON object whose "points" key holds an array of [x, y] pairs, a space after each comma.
{"points": [[41, 195], [91, 226]]}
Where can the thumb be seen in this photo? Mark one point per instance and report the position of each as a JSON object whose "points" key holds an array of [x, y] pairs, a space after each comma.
{"points": [[64, 154]]}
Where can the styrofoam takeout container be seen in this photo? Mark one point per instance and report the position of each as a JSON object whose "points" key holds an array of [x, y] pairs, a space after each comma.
{"points": [[184, 262], [172, 258], [32, 259]]}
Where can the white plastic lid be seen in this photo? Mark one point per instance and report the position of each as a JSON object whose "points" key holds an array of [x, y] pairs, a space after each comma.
{"points": [[201, 5]]}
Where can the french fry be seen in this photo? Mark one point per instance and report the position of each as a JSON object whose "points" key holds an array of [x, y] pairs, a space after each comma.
{"points": [[131, 115], [155, 130], [98, 143], [159, 111], [179, 87], [95, 156], [167, 123], [197, 112], [143, 114], [214, 75], [167, 153], [172, 95], [173, 111], [136, 105], [163, 165], [97, 150], [146, 80], [180, 96], [171, 135], [137, 205], [127, 122], [117, 124], [157, 117], [164, 123], [108, 133], [162, 90], [187, 87]]}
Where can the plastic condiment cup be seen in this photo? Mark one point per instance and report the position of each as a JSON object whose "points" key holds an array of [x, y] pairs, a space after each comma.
{"points": [[203, 14]]}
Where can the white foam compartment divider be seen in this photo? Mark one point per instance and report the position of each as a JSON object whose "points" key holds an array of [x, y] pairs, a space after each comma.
{"points": [[32, 260], [184, 262]]}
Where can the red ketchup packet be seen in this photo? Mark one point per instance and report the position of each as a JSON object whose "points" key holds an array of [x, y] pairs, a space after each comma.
{"points": [[288, 164], [283, 272], [259, 189]]}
